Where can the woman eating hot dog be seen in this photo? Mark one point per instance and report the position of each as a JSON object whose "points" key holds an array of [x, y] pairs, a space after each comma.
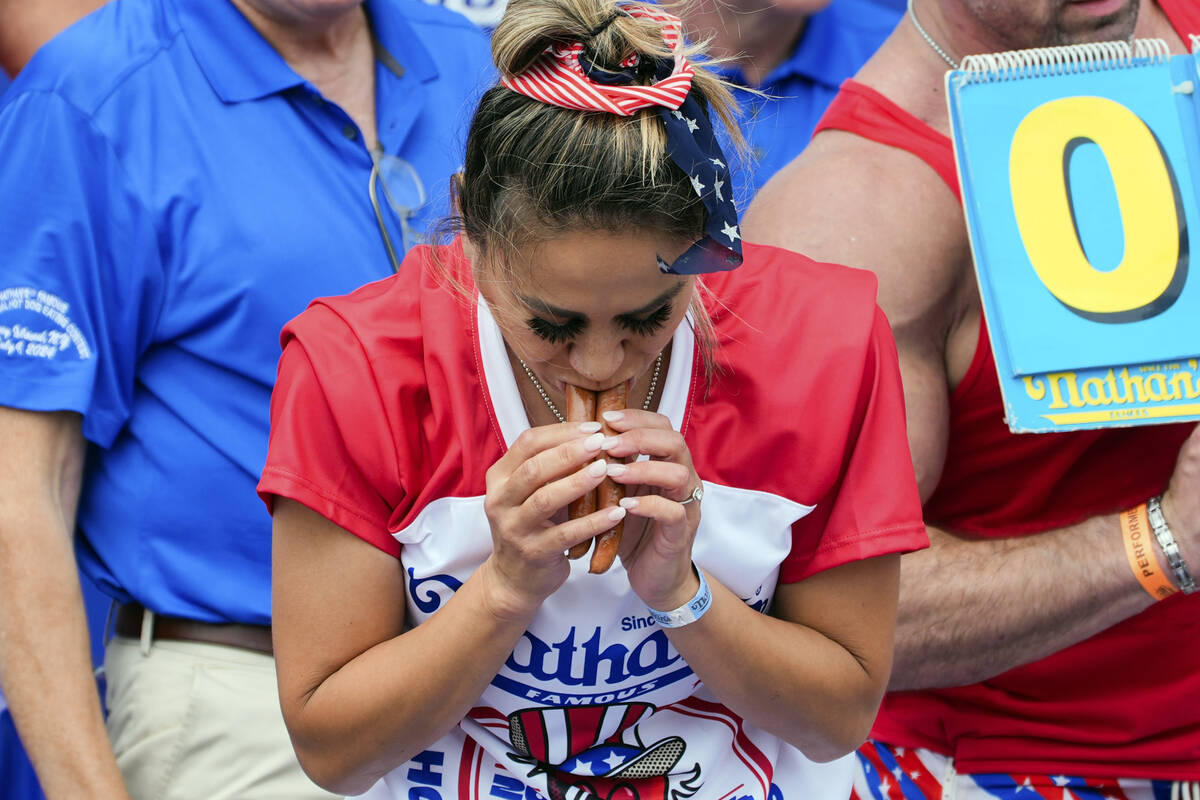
{"points": [[433, 638]]}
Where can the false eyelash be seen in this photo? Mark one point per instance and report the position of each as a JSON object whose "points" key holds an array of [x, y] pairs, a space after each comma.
{"points": [[555, 334], [650, 324]]}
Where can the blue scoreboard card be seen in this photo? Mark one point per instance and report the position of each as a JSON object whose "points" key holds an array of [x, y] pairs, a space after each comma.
{"points": [[1078, 182]]}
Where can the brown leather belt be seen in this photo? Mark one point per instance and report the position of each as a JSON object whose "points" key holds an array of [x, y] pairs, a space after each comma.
{"points": [[128, 622]]}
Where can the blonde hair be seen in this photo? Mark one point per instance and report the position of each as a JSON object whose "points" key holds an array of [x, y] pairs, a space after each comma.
{"points": [[534, 171]]}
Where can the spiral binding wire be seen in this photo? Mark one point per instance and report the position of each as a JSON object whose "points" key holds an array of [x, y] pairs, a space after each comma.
{"points": [[1046, 61]]}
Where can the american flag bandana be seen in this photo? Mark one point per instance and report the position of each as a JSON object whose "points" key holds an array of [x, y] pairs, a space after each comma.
{"points": [[563, 76]]}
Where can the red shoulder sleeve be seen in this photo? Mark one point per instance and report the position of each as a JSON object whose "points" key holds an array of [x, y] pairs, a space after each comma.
{"points": [[321, 451], [873, 508]]}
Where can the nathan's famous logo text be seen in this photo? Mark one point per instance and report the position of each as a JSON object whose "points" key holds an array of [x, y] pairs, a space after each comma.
{"points": [[1159, 383], [538, 670], [587, 663]]}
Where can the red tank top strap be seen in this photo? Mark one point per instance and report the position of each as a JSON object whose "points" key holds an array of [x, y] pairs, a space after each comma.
{"points": [[981, 366], [861, 110], [1184, 16]]}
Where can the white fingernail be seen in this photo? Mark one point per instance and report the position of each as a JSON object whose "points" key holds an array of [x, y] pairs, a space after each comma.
{"points": [[616, 468], [589, 427], [593, 441], [609, 442], [617, 514], [613, 416], [597, 468], [629, 502]]}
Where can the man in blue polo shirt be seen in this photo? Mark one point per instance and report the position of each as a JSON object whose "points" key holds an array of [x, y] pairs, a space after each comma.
{"points": [[797, 53], [181, 177]]}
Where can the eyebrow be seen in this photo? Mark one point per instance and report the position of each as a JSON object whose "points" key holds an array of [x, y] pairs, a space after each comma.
{"points": [[547, 308]]}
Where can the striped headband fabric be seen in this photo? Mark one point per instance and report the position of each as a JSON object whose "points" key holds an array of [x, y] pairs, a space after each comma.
{"points": [[557, 78], [564, 76]]}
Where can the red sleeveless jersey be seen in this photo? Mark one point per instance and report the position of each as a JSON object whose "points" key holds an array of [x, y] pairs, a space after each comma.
{"points": [[1124, 702]]}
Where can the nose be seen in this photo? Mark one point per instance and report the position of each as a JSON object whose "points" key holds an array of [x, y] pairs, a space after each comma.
{"points": [[598, 358]]}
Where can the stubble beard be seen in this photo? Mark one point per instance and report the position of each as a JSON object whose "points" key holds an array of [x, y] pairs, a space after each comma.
{"points": [[1118, 26], [1015, 30]]}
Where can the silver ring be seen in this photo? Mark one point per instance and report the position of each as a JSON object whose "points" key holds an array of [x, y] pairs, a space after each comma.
{"points": [[696, 497]]}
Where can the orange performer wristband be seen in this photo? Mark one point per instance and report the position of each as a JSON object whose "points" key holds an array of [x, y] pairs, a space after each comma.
{"points": [[1135, 531]]}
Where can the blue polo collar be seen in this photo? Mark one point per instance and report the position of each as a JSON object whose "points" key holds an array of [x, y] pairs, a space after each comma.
{"points": [[216, 30]]}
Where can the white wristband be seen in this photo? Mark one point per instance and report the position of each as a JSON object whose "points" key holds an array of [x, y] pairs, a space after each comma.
{"points": [[690, 611]]}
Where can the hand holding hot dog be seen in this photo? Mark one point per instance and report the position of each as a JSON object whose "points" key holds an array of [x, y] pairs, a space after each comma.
{"points": [[658, 555], [544, 470]]}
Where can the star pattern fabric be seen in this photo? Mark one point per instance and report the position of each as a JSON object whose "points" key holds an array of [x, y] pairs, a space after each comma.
{"points": [[600, 760], [693, 146]]}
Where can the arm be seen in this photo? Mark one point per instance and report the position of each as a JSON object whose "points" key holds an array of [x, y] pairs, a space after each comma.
{"points": [[370, 697], [959, 619], [969, 609], [821, 661], [44, 653], [391, 693], [849, 203]]}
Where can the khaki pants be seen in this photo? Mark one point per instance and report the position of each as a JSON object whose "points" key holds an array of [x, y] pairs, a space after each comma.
{"points": [[190, 720]]}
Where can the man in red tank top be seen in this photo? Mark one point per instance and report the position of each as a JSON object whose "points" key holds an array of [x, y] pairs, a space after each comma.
{"points": [[1030, 661]]}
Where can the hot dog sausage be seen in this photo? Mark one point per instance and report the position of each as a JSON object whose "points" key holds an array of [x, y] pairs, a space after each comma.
{"points": [[581, 407], [609, 492]]}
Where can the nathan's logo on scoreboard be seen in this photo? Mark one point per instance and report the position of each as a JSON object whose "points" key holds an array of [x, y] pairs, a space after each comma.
{"points": [[1127, 394], [1078, 171]]}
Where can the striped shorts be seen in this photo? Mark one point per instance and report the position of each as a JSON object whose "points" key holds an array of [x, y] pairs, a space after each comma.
{"points": [[895, 773]]}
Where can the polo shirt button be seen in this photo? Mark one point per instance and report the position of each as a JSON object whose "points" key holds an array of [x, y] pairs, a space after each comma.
{"points": [[350, 132]]}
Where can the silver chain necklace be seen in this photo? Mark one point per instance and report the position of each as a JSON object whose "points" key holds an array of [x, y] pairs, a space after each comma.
{"points": [[554, 409], [936, 48]]}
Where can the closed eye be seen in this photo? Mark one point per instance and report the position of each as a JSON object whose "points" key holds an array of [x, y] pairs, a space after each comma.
{"points": [[555, 333], [645, 326]]}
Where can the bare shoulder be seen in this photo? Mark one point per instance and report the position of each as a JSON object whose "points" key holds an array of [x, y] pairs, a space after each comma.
{"points": [[853, 201]]}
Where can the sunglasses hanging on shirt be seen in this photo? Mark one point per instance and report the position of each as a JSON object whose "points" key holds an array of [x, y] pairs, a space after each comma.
{"points": [[403, 193]]}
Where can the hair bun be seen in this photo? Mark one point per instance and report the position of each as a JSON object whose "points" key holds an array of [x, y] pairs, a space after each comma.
{"points": [[609, 32], [603, 26]]}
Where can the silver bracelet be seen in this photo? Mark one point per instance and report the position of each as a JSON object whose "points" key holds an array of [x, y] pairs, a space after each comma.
{"points": [[690, 611], [1166, 541]]}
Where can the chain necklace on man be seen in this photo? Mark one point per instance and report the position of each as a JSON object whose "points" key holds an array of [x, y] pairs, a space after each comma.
{"points": [[554, 409], [936, 48]]}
